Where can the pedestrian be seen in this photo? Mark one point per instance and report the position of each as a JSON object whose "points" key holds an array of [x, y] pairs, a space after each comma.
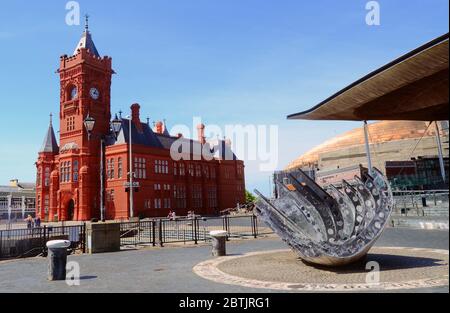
{"points": [[37, 221], [170, 215], [29, 221]]}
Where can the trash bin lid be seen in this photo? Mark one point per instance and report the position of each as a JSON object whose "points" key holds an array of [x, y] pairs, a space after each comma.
{"points": [[218, 233], [55, 244]]}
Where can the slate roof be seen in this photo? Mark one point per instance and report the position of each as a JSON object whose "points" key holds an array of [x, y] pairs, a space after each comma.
{"points": [[50, 145], [87, 42], [146, 137], [219, 149]]}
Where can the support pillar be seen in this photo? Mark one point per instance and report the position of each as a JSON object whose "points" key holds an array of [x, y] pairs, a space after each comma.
{"points": [[441, 155], [367, 144]]}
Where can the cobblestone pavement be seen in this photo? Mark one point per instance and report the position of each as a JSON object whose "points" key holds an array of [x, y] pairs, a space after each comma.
{"points": [[169, 269]]}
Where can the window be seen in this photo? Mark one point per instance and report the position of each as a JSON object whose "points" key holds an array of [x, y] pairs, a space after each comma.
{"points": [[148, 204], [161, 167], [39, 203], [65, 172], [182, 169], [110, 169], [240, 171], [75, 171], [212, 197], [198, 170], [157, 187], [167, 187], [39, 177], [70, 123], [191, 170], [157, 203], [197, 196], [140, 170], [46, 203], [179, 195], [175, 169], [47, 177], [206, 171], [228, 173], [167, 203], [110, 195], [119, 168]]}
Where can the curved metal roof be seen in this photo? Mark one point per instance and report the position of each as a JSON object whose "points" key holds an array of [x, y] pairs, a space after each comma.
{"points": [[412, 87]]}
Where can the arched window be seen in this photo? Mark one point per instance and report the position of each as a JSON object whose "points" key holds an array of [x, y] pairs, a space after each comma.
{"points": [[119, 168], [75, 171], [47, 177]]}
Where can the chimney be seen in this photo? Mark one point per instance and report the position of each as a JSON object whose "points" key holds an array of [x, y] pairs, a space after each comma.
{"points": [[179, 135], [135, 118], [159, 127], [201, 134]]}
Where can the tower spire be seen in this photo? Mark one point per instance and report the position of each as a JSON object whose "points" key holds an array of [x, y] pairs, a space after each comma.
{"points": [[50, 144], [86, 40]]}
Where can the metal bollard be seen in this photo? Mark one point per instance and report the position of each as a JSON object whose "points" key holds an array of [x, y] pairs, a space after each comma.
{"points": [[57, 259], [219, 239]]}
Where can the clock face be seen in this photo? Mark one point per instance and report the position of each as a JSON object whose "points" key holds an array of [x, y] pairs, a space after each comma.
{"points": [[95, 94], [74, 93]]}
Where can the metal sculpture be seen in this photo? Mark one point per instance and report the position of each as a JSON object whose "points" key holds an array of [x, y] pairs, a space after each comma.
{"points": [[334, 227]]}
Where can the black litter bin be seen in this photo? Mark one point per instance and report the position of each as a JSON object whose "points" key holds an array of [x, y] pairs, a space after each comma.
{"points": [[57, 259]]}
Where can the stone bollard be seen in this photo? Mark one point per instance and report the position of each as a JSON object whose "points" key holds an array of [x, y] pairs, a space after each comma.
{"points": [[57, 259], [219, 239]]}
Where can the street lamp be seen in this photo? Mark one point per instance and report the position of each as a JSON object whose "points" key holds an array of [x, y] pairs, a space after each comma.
{"points": [[89, 124], [131, 172], [116, 125]]}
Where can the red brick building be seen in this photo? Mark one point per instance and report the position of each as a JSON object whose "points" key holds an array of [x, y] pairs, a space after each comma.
{"points": [[68, 175]]}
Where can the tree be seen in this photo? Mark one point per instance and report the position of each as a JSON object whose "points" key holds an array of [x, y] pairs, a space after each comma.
{"points": [[249, 197]]}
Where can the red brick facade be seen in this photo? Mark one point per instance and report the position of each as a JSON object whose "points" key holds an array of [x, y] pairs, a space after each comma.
{"points": [[68, 176]]}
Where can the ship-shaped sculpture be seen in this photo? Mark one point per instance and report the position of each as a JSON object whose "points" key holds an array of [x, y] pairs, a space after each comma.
{"points": [[333, 227]]}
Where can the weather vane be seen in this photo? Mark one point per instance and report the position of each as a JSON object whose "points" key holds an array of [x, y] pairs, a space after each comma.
{"points": [[86, 24]]}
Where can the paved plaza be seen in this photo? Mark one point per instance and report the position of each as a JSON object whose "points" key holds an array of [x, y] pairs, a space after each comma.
{"points": [[170, 269]]}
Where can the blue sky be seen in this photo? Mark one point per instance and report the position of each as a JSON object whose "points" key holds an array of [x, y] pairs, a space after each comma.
{"points": [[228, 61]]}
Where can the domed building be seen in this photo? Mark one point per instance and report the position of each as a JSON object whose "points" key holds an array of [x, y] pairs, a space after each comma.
{"points": [[399, 148]]}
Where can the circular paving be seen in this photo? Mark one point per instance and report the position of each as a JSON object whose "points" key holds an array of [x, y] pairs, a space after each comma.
{"points": [[399, 269]]}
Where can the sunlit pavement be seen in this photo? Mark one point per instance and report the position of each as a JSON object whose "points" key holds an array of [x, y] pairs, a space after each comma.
{"points": [[169, 269]]}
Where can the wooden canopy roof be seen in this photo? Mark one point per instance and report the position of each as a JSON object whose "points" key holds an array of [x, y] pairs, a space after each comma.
{"points": [[412, 87]]}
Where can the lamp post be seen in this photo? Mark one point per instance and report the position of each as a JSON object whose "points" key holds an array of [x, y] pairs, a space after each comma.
{"points": [[116, 125], [131, 172]]}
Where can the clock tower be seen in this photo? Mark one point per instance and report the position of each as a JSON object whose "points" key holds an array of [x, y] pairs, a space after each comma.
{"points": [[85, 88]]}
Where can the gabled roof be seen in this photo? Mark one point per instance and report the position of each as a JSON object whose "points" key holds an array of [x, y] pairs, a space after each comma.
{"points": [[218, 149], [50, 145], [146, 137]]}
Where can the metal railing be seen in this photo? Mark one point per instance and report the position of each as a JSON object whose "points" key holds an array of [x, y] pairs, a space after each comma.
{"points": [[184, 230], [138, 233], [421, 202], [20, 243]]}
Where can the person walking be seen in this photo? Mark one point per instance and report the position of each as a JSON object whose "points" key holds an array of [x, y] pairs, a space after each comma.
{"points": [[37, 221], [29, 221]]}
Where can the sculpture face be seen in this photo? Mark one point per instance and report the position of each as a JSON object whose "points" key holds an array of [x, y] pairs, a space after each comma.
{"points": [[331, 228]]}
